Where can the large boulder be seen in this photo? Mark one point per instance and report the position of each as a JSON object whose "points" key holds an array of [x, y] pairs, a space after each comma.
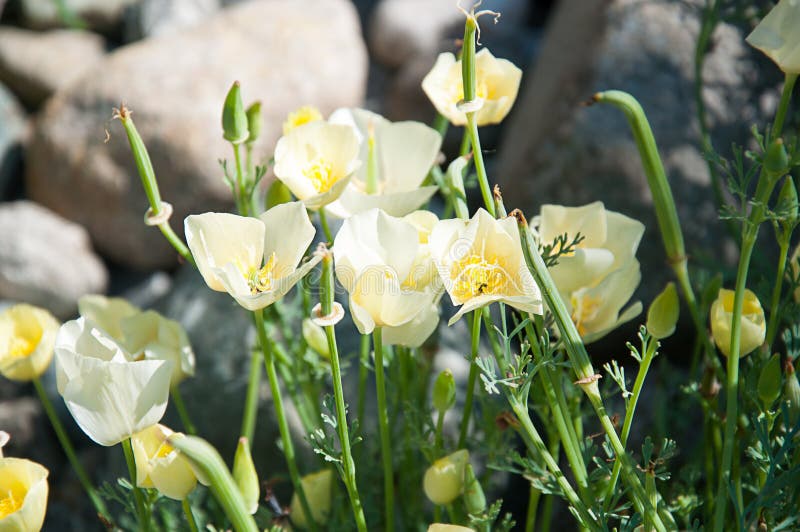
{"points": [[29, 66], [46, 260], [101, 15], [285, 54], [557, 151], [12, 134], [150, 18]]}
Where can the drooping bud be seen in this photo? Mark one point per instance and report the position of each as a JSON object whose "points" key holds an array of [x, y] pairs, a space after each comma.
{"points": [[769, 382], [316, 339], [254, 121], [474, 498], [663, 313], [244, 473], [444, 391], [234, 118], [317, 487], [444, 480]]}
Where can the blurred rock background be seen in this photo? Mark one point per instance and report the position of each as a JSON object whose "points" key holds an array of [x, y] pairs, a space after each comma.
{"points": [[71, 203]]}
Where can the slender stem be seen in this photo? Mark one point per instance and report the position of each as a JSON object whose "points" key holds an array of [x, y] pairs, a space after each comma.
{"points": [[630, 410], [69, 450], [243, 202], [533, 507], [187, 511], [363, 373], [480, 168], [465, 144], [775, 303], [176, 242], [473, 376], [283, 425], [251, 396], [383, 426], [180, 406], [780, 115], [438, 441], [348, 464], [141, 512], [323, 221]]}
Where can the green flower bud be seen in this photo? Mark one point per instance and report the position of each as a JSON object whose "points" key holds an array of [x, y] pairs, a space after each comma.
{"points": [[444, 391], [663, 313], [234, 119], [316, 338], [278, 193], [787, 204], [444, 480], [254, 121], [244, 473], [776, 160], [769, 382], [317, 487], [474, 499], [791, 392]]}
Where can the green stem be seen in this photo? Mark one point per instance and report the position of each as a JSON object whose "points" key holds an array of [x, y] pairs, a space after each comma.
{"points": [[348, 464], [630, 410], [187, 511], [323, 221], [438, 448], [473, 376], [383, 425], [180, 406], [141, 512], [783, 107], [242, 201], [480, 167], [363, 374], [533, 506], [775, 303], [283, 425], [251, 396], [66, 444]]}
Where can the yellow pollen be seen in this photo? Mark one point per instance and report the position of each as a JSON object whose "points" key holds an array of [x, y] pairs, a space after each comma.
{"points": [[475, 275], [21, 347], [164, 450], [301, 116], [261, 280], [321, 175], [11, 503], [584, 308]]}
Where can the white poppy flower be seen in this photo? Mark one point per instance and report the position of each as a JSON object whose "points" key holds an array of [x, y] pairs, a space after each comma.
{"points": [[161, 466], [480, 262], [778, 37], [600, 275], [316, 161], [255, 260], [496, 83], [376, 262], [404, 153], [111, 395]]}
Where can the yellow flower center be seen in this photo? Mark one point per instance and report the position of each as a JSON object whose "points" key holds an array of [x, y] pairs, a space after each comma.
{"points": [[164, 450], [261, 280], [21, 347], [475, 275], [482, 90], [301, 116], [11, 502], [321, 175], [584, 308]]}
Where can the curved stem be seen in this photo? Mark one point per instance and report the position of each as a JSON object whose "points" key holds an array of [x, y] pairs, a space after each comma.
{"points": [[180, 406], [283, 425], [187, 511], [141, 511], [69, 450], [383, 426], [473, 376]]}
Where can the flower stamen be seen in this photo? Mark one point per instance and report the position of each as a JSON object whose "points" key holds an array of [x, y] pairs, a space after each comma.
{"points": [[476, 275]]}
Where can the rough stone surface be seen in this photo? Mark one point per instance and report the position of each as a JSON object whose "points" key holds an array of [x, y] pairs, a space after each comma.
{"points": [[557, 151], [101, 15], [285, 54], [13, 131], [46, 260], [150, 18], [30, 66]]}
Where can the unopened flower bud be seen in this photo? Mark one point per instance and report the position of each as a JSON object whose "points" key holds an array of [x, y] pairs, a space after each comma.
{"points": [[317, 487], [791, 392], [769, 382], [787, 204], [753, 325], [444, 480], [234, 118], [474, 498], [277, 193], [776, 160], [444, 391], [663, 313], [254, 121], [244, 473], [316, 338]]}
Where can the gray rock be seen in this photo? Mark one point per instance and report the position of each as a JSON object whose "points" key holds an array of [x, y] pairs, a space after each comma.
{"points": [[150, 18], [18, 417], [556, 151], [46, 260], [12, 134], [285, 53], [101, 15], [31, 67]]}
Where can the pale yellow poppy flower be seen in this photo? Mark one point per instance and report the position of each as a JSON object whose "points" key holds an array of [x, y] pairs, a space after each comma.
{"points": [[23, 495], [303, 115], [778, 36], [753, 325], [317, 487], [444, 479], [161, 466], [27, 335]]}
